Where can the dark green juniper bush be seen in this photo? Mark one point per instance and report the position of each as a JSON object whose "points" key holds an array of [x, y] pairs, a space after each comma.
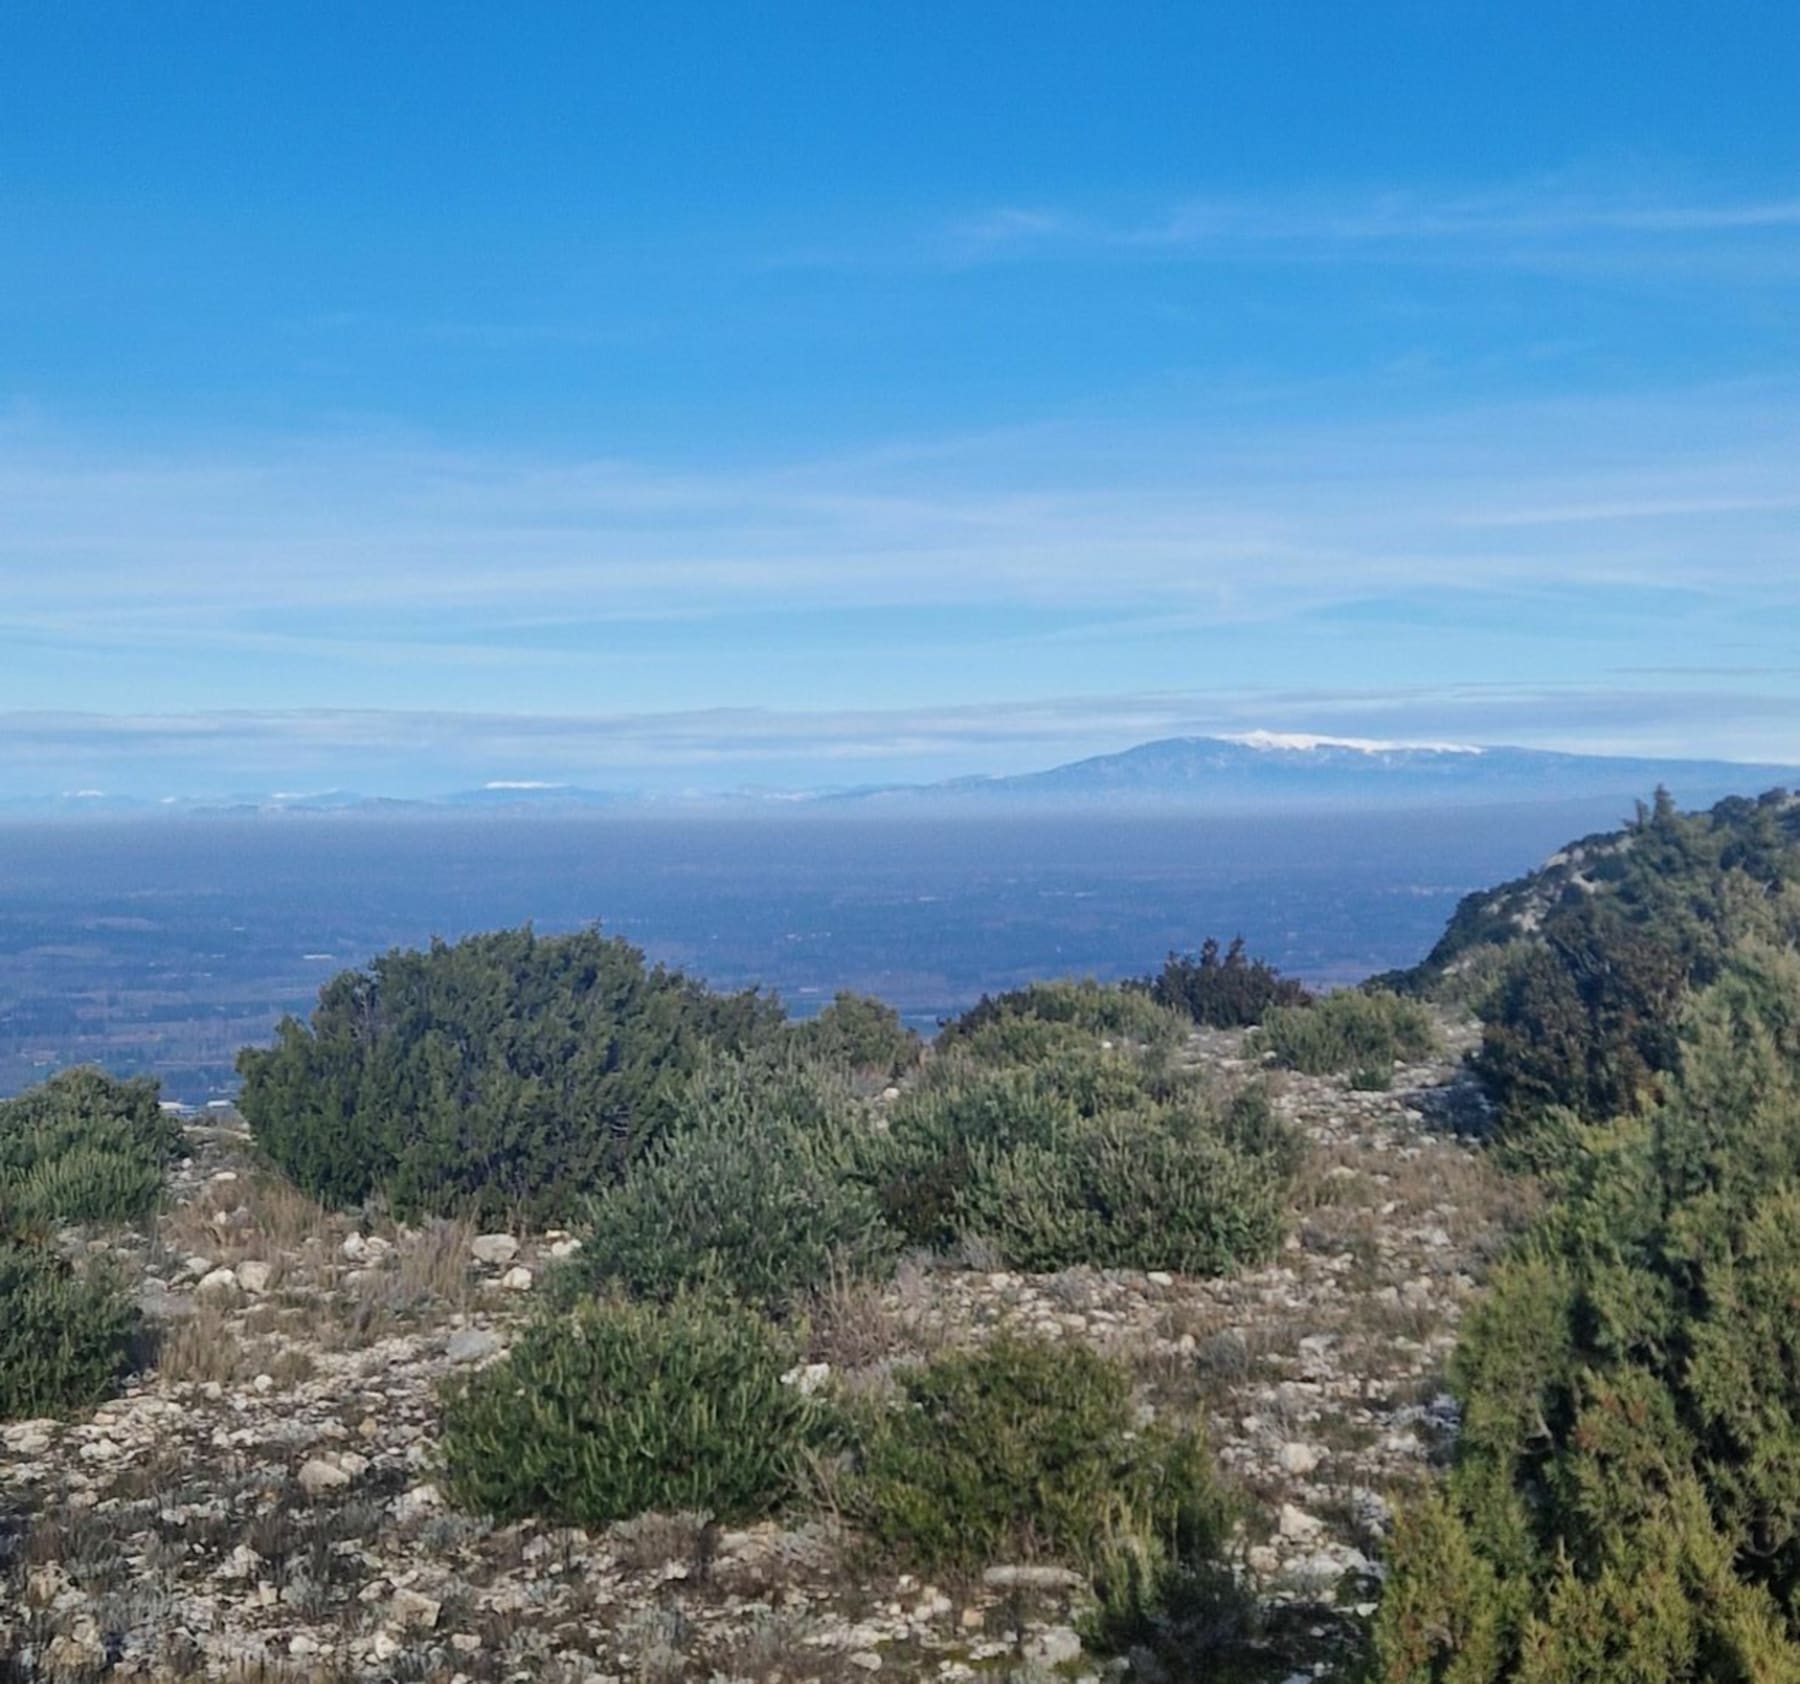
{"points": [[1222, 991], [80, 1148], [509, 1073]]}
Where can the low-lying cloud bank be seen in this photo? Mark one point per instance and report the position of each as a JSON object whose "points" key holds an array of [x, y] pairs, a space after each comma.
{"points": [[411, 753]]}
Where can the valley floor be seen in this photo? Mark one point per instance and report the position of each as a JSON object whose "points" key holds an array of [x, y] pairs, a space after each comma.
{"points": [[261, 1504]]}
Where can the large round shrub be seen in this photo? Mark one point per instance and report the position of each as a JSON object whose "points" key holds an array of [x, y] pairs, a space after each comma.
{"points": [[1012, 1024], [507, 1074], [859, 1034], [617, 1409], [1350, 1030], [1154, 1189]]}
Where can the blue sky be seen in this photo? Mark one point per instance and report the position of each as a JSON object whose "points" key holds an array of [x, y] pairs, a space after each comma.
{"points": [[412, 395]]}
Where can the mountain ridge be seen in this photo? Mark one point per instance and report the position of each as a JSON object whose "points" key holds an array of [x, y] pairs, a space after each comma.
{"points": [[1255, 770]]}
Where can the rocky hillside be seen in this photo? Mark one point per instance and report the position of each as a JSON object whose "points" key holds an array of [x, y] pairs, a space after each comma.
{"points": [[264, 1501]]}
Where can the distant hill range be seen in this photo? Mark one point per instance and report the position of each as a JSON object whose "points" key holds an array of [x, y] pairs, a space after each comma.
{"points": [[1265, 769], [1256, 771]]}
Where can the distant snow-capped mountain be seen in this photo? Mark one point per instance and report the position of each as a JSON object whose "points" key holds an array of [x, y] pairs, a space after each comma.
{"points": [[1241, 773], [1267, 768]]}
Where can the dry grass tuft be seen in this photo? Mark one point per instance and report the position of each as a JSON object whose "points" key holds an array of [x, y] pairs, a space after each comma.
{"points": [[259, 1217], [200, 1348], [652, 1541], [426, 1272]]}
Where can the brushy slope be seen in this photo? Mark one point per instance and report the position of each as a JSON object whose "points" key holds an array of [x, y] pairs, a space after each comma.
{"points": [[1625, 1503]]}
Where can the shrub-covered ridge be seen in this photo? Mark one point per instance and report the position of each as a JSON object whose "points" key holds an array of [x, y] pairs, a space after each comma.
{"points": [[1625, 1504]]}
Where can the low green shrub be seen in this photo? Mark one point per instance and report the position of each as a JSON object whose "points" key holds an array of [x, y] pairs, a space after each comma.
{"points": [[1156, 1189], [1026, 1450], [66, 1336], [859, 1034], [751, 1196], [1351, 1030], [83, 1147], [1086, 1158], [1010, 1026], [1222, 991], [613, 1410]]}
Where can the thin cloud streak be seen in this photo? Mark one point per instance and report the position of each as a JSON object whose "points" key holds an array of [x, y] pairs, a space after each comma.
{"points": [[1527, 223], [724, 747], [1690, 489]]}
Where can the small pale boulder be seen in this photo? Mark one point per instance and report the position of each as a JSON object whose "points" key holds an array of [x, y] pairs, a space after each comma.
{"points": [[496, 1250], [413, 1505], [414, 1608], [1055, 1647], [1299, 1459], [1297, 1525], [318, 1476], [254, 1276], [1031, 1577], [471, 1344]]}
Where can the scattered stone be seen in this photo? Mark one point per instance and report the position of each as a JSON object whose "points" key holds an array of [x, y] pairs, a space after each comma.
{"points": [[1296, 1524], [517, 1279], [413, 1608], [412, 1505], [1031, 1578], [808, 1377], [1055, 1647], [471, 1344], [1299, 1459], [28, 1438], [317, 1476], [218, 1280], [494, 1249], [254, 1277]]}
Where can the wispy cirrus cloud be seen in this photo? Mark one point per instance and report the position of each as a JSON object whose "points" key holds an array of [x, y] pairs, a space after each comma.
{"points": [[1242, 546], [1236, 515], [1529, 221]]}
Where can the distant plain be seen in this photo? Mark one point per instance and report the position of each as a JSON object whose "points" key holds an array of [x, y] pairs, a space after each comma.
{"points": [[167, 945]]}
